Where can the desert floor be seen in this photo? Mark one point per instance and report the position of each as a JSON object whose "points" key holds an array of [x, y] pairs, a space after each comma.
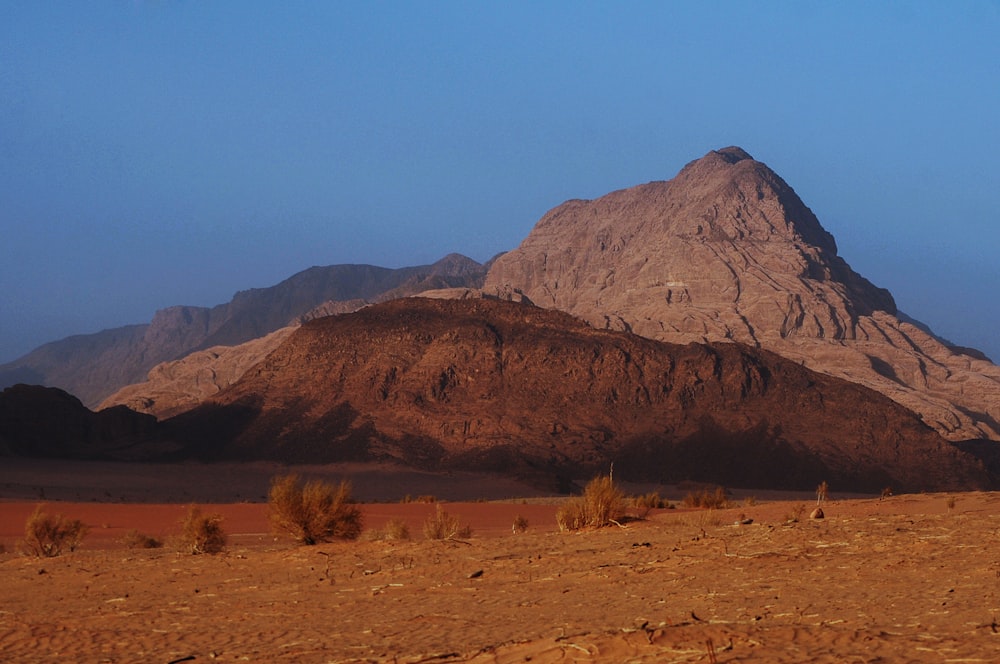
{"points": [[909, 578]]}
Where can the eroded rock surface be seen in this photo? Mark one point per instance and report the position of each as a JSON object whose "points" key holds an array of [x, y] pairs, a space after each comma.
{"points": [[174, 387], [483, 384], [726, 251]]}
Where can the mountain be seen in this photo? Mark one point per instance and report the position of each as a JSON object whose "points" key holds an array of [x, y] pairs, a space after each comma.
{"points": [[94, 366], [507, 387], [173, 387], [47, 422], [727, 252]]}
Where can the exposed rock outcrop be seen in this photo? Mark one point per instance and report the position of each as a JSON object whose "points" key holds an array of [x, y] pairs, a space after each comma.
{"points": [[174, 387], [726, 251], [490, 385], [171, 388]]}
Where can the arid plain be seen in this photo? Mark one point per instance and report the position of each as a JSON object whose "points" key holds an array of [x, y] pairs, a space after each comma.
{"points": [[906, 578]]}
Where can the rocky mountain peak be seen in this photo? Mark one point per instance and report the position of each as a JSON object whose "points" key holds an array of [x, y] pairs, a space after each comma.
{"points": [[726, 238], [727, 251], [732, 154]]}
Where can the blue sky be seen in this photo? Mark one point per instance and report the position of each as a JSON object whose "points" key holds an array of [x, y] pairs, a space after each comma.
{"points": [[174, 152]]}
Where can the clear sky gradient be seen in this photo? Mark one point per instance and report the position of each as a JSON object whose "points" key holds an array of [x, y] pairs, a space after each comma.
{"points": [[174, 152]]}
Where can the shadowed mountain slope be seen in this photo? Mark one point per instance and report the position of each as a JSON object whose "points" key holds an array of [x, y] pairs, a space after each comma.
{"points": [[489, 385], [47, 422], [726, 251]]}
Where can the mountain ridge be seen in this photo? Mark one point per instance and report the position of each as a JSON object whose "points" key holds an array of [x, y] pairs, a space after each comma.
{"points": [[727, 251], [483, 384], [93, 366]]}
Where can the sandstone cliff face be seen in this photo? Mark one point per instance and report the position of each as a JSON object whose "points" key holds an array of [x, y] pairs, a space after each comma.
{"points": [[726, 251], [95, 366], [491, 385]]}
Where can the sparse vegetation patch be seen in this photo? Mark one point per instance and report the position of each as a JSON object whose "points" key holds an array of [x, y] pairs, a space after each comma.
{"points": [[646, 503], [444, 526], [708, 499], [601, 504], [45, 535], [394, 530], [202, 533], [134, 539], [314, 511], [520, 524]]}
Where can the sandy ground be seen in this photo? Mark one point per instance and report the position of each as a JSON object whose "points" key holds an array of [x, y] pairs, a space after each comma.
{"points": [[910, 578]]}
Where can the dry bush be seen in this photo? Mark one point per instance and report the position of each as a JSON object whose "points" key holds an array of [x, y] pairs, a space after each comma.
{"points": [[648, 502], [795, 514], [202, 533], [822, 492], [601, 504], [394, 530], [46, 535], [570, 515], [444, 526], [315, 511], [133, 539], [708, 499], [520, 524], [419, 499]]}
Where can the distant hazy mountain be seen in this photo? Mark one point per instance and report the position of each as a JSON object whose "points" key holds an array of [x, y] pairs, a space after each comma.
{"points": [[726, 251], [93, 366]]}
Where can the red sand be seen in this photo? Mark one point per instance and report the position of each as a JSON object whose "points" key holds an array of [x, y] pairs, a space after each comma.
{"points": [[911, 578]]}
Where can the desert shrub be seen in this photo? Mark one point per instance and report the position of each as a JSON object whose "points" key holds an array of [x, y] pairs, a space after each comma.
{"points": [[570, 515], [520, 524], [314, 511], [419, 499], [46, 535], [645, 503], [133, 539], [795, 514], [601, 504], [708, 499], [822, 492], [444, 526], [394, 530], [202, 533]]}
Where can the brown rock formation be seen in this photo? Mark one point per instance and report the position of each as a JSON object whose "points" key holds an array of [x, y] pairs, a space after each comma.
{"points": [[726, 251], [492, 385], [174, 387], [94, 366], [171, 388], [47, 422]]}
